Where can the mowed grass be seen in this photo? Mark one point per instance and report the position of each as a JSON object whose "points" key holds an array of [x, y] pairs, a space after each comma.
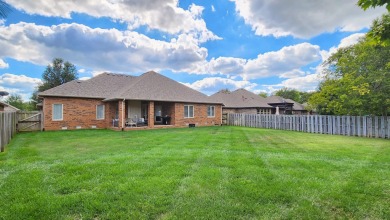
{"points": [[194, 173]]}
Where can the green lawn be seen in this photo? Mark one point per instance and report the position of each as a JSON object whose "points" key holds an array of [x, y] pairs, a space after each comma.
{"points": [[194, 173]]}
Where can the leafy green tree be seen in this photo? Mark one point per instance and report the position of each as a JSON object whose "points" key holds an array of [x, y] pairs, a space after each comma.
{"points": [[288, 93], [380, 31], [365, 4], [304, 96], [16, 101], [263, 94], [357, 82], [293, 94], [226, 91], [55, 74]]}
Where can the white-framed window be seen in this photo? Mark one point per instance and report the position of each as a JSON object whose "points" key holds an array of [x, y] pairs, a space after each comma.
{"points": [[57, 112], [188, 111], [100, 112], [211, 111]]}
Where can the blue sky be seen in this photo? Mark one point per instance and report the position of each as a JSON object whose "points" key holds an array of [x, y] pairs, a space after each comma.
{"points": [[259, 45]]}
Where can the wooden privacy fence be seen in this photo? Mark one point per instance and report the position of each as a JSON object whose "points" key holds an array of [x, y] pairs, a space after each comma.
{"points": [[364, 126], [7, 128], [29, 121]]}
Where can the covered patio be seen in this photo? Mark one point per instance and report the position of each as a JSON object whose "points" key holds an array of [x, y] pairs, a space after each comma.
{"points": [[133, 114]]}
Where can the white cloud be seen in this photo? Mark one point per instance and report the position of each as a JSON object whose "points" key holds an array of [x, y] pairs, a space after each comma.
{"points": [[345, 42], [121, 51], [3, 65], [163, 15], [304, 18], [212, 85], [212, 8], [284, 63], [278, 63], [308, 81], [226, 65], [18, 84]]}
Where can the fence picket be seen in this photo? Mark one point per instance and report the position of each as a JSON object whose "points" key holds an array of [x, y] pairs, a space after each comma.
{"points": [[378, 127], [7, 128]]}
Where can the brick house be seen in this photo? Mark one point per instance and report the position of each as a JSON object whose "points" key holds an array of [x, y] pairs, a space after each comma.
{"points": [[5, 107], [243, 101], [121, 101], [286, 106]]}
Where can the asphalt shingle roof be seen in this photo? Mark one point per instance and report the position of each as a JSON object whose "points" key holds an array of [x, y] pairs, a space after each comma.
{"points": [[100, 86], [277, 99], [240, 98], [148, 86]]}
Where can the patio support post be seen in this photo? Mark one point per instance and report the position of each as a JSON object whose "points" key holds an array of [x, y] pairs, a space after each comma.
{"points": [[151, 114], [121, 115]]}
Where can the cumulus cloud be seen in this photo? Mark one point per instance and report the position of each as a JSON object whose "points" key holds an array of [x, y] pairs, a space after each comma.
{"points": [[304, 18], [285, 63], [345, 42], [18, 84], [212, 85], [3, 65], [163, 15], [121, 51], [308, 81], [277, 63]]}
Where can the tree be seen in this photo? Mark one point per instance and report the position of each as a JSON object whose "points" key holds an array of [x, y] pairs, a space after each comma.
{"points": [[55, 74], [365, 4], [16, 101], [263, 94], [288, 93], [380, 31], [226, 91], [357, 81]]}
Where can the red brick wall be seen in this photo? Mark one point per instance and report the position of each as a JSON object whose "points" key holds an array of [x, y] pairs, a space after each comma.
{"points": [[200, 115], [77, 112], [82, 112]]}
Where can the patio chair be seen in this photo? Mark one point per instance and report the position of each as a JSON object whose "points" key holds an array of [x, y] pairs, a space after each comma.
{"points": [[130, 123]]}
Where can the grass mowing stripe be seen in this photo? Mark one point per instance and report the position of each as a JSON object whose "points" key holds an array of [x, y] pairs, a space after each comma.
{"points": [[208, 172]]}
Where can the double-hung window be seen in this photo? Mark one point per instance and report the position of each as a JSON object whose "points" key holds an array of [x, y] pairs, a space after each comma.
{"points": [[100, 112], [188, 111], [57, 112], [211, 111]]}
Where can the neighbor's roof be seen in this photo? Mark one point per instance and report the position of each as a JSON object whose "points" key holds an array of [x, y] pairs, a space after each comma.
{"points": [[277, 99], [148, 86], [240, 98], [8, 107]]}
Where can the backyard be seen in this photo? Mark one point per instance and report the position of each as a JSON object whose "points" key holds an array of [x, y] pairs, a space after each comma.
{"points": [[194, 173]]}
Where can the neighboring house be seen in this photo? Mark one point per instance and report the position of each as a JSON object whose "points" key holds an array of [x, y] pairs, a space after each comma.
{"points": [[5, 107], [242, 101], [286, 106], [119, 101]]}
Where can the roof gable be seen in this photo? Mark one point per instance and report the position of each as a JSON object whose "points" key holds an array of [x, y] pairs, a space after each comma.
{"points": [[8, 108], [148, 86], [277, 99], [154, 86], [241, 98]]}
